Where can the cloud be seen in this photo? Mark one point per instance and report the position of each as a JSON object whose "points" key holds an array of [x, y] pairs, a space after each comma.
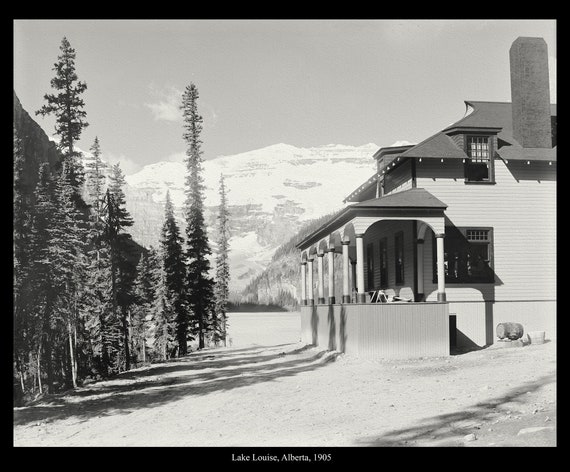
{"points": [[209, 114], [401, 143], [166, 105], [128, 166]]}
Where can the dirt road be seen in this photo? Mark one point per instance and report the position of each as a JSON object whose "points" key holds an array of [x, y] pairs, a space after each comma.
{"points": [[294, 395]]}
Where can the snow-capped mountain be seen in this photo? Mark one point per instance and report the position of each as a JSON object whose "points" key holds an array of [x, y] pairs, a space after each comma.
{"points": [[271, 192]]}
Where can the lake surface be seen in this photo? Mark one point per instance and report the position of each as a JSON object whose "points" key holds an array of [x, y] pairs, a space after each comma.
{"points": [[264, 328]]}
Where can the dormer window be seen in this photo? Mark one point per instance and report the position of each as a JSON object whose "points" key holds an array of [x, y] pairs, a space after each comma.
{"points": [[479, 164]]}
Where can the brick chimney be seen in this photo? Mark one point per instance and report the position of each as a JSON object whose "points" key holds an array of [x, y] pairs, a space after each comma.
{"points": [[530, 93]]}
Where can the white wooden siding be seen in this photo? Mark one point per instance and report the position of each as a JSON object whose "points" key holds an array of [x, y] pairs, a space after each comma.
{"points": [[523, 216]]}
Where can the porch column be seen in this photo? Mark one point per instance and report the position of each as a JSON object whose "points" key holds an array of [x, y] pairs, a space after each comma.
{"points": [[321, 285], [420, 268], [440, 268], [331, 275], [303, 283], [345, 263], [311, 297], [361, 295]]}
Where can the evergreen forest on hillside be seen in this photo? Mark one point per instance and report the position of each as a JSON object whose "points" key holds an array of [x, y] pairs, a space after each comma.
{"points": [[89, 302]]}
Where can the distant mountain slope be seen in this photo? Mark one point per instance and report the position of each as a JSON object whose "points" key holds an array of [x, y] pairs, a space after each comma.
{"points": [[279, 282], [36, 146], [272, 193]]}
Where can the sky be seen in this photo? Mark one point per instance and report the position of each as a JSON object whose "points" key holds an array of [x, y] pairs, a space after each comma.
{"points": [[262, 82]]}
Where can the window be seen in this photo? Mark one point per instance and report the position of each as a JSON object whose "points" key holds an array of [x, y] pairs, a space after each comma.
{"points": [[383, 262], [370, 266], [468, 255], [399, 257], [479, 165]]}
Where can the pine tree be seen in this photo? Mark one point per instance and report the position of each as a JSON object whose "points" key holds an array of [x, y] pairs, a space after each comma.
{"points": [[221, 289], [69, 240], [122, 270], [23, 308], [98, 285], [62, 240], [164, 323], [43, 282], [67, 106], [175, 272], [142, 306], [198, 283], [95, 176]]}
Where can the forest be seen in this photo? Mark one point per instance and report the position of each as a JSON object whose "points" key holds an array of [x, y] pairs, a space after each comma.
{"points": [[88, 301]]}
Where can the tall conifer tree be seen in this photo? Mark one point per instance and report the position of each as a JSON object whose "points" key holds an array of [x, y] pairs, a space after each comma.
{"points": [[44, 281], [21, 252], [198, 282], [99, 288], [175, 272], [122, 270], [67, 106], [221, 289]]}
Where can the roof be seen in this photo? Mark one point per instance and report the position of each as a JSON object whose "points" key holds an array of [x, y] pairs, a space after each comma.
{"points": [[369, 185], [387, 150], [494, 117], [437, 146], [491, 116], [527, 154], [412, 198], [417, 199]]}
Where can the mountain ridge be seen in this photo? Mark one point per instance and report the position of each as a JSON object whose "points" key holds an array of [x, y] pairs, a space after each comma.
{"points": [[271, 192]]}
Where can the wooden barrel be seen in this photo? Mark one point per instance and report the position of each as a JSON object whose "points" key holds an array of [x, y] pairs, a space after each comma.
{"points": [[510, 330]]}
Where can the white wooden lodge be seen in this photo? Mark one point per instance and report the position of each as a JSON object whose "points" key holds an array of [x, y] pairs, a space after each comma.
{"points": [[462, 224]]}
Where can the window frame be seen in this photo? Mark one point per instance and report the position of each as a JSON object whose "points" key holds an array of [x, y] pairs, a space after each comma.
{"points": [[490, 162], [399, 278], [490, 242]]}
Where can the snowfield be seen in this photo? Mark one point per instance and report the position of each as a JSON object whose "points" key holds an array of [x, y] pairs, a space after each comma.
{"points": [[268, 389]]}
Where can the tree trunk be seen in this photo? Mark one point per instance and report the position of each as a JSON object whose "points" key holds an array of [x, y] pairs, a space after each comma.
{"points": [[22, 381], [49, 365], [126, 341], [104, 353], [72, 355], [75, 349], [200, 331], [143, 343], [40, 370], [224, 329]]}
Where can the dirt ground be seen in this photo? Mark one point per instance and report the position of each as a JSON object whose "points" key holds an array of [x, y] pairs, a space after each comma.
{"points": [[295, 395]]}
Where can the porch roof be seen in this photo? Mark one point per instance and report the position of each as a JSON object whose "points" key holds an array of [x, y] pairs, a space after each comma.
{"points": [[412, 198], [407, 203]]}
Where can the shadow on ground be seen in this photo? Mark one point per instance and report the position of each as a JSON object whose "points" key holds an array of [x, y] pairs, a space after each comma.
{"points": [[199, 374], [448, 426]]}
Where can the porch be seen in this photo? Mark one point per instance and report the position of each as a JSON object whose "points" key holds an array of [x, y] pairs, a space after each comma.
{"points": [[377, 245]]}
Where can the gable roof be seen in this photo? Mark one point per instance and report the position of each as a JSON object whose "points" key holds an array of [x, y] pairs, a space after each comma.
{"points": [[437, 146]]}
